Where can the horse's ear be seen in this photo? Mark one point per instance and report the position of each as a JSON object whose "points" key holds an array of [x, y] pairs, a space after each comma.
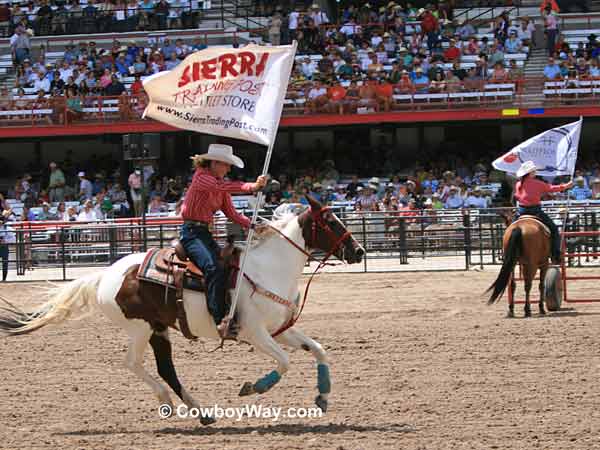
{"points": [[315, 205]]}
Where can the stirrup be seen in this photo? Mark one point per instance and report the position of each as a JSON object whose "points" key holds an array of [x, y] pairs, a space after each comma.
{"points": [[227, 330]]}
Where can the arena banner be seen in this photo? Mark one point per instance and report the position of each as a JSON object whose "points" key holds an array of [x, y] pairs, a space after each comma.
{"points": [[230, 92], [554, 152]]}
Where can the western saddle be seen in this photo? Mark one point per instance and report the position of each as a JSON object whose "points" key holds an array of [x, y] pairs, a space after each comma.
{"points": [[172, 268]]}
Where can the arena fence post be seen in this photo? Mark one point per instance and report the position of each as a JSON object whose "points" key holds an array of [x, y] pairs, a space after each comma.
{"points": [[402, 241], [62, 253], [467, 237], [422, 242], [364, 236], [112, 244], [480, 237], [19, 253]]}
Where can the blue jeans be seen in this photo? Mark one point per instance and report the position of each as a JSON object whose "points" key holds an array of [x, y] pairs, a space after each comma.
{"points": [[554, 234], [4, 256], [203, 251]]}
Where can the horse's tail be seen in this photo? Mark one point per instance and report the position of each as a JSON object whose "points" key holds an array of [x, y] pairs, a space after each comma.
{"points": [[74, 300], [511, 255]]}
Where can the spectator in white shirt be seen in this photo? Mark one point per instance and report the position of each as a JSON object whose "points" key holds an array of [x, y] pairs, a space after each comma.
{"points": [[376, 39], [524, 32], [42, 85], [475, 199], [454, 199], [65, 71], [308, 68], [317, 90], [293, 22], [88, 213], [350, 28], [319, 17], [85, 187]]}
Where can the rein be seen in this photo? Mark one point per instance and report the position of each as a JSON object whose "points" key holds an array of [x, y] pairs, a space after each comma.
{"points": [[317, 217]]}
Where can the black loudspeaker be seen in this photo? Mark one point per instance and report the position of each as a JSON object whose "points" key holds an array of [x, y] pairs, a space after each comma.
{"points": [[151, 145], [141, 146], [131, 146]]}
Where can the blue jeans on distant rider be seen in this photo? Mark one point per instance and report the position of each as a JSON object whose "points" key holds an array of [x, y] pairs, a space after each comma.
{"points": [[203, 251], [554, 234]]}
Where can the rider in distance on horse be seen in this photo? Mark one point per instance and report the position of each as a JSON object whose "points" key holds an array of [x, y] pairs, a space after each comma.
{"points": [[208, 194], [528, 192]]}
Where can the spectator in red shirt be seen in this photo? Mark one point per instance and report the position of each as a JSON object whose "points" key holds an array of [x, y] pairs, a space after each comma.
{"points": [[209, 193], [452, 53], [430, 27], [137, 86], [385, 91], [336, 94]]}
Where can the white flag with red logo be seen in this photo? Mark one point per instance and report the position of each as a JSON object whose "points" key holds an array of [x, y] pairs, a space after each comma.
{"points": [[554, 152], [230, 92]]}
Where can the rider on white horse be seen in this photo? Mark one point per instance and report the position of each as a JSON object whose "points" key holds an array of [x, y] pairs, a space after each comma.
{"points": [[208, 194], [528, 192]]}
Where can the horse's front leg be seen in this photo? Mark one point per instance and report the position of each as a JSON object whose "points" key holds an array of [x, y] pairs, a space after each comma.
{"points": [[296, 339], [263, 342]]}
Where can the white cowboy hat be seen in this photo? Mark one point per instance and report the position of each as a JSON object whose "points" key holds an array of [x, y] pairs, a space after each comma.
{"points": [[223, 153], [526, 167]]}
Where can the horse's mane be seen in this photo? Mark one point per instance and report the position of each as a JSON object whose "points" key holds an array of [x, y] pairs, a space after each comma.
{"points": [[281, 218]]}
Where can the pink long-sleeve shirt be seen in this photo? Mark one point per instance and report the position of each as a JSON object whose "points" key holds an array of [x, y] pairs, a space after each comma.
{"points": [[529, 191], [209, 194]]}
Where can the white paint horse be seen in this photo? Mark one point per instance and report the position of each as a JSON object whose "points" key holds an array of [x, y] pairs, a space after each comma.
{"points": [[274, 263]]}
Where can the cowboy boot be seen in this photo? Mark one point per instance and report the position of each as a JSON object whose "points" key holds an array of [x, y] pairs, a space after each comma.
{"points": [[228, 329]]}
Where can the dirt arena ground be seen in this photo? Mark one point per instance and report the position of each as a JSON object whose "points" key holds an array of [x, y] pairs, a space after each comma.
{"points": [[418, 361]]}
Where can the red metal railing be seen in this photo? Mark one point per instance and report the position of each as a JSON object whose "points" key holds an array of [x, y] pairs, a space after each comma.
{"points": [[566, 255]]}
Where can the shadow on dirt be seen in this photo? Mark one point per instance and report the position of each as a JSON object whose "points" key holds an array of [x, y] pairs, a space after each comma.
{"points": [[286, 429]]}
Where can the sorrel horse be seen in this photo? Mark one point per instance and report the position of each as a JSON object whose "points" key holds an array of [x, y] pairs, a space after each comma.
{"points": [[526, 241], [274, 264]]}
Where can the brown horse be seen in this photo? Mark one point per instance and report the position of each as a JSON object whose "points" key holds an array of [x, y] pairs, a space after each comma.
{"points": [[526, 241]]}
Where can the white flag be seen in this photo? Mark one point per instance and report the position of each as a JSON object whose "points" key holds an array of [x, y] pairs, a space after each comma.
{"points": [[554, 152], [230, 92]]}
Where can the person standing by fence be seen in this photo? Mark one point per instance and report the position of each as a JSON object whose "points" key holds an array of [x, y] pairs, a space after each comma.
{"points": [[56, 186], [7, 237], [551, 29]]}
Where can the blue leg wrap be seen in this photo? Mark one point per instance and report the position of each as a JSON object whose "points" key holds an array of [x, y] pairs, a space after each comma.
{"points": [[267, 382], [323, 377]]}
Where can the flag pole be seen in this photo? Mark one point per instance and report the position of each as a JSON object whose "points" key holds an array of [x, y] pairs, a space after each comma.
{"points": [[566, 215], [259, 198]]}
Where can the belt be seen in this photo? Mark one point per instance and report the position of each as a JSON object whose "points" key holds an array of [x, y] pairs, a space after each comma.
{"points": [[195, 223]]}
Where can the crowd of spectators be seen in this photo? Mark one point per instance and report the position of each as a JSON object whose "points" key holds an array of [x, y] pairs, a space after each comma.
{"points": [[57, 17], [568, 64], [372, 54], [63, 193], [395, 49], [85, 72]]}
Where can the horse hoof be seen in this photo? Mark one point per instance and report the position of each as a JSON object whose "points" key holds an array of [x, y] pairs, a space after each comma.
{"points": [[321, 403], [247, 389], [527, 313], [510, 315], [207, 420], [542, 312]]}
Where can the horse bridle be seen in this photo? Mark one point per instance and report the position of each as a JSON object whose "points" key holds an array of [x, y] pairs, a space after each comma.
{"points": [[317, 221]]}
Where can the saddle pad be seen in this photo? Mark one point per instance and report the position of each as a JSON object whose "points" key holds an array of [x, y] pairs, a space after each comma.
{"points": [[149, 272], [530, 217]]}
